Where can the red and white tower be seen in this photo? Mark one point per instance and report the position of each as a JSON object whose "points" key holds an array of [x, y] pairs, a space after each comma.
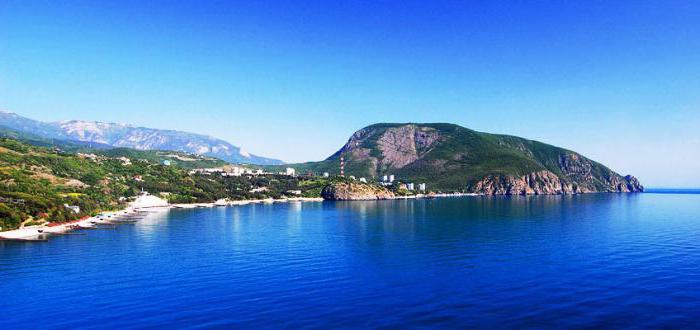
{"points": [[342, 165]]}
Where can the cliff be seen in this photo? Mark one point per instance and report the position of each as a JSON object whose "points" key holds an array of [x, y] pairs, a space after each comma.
{"points": [[350, 191], [548, 183]]}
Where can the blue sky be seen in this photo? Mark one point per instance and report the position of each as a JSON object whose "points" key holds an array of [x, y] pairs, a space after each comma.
{"points": [[618, 81]]}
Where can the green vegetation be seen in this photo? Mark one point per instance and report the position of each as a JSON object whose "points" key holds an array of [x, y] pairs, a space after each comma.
{"points": [[36, 140], [37, 182], [175, 158], [458, 158]]}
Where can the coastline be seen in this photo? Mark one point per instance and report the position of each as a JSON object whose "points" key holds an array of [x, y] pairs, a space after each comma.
{"points": [[224, 202], [109, 219]]}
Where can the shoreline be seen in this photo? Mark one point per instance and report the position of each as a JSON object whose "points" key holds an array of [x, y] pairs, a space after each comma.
{"points": [[41, 233], [226, 203], [110, 219]]}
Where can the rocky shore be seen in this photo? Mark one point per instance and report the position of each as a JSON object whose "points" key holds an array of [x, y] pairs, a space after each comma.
{"points": [[350, 191], [548, 183]]}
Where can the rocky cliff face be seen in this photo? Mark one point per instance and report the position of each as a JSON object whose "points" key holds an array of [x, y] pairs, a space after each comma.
{"points": [[355, 192], [548, 183], [390, 148]]}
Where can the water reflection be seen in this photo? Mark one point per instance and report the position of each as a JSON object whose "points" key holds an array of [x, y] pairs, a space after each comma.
{"points": [[515, 262]]}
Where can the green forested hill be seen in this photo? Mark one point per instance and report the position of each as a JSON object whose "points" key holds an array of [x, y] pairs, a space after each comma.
{"points": [[451, 157]]}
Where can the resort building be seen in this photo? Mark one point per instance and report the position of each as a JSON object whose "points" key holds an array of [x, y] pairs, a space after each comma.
{"points": [[88, 156], [146, 200], [236, 171], [206, 171], [74, 208], [125, 161]]}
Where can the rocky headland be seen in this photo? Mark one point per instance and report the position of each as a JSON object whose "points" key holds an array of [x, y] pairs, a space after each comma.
{"points": [[350, 191], [450, 158]]}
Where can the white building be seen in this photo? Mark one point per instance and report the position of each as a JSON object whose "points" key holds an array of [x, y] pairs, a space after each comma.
{"points": [[238, 171], [74, 208], [88, 156], [234, 171], [363, 180], [352, 177], [421, 186], [259, 189], [291, 172], [391, 178], [409, 186], [146, 200], [125, 161], [206, 171], [166, 162], [325, 174], [385, 178]]}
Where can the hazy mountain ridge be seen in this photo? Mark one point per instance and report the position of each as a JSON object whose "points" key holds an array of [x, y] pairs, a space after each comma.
{"points": [[128, 136], [451, 157]]}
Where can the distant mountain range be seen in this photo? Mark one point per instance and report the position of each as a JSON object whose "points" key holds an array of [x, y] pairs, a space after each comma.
{"points": [[450, 157], [105, 135]]}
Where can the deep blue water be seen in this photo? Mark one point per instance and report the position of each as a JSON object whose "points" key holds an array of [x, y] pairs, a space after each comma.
{"points": [[604, 260], [672, 190]]}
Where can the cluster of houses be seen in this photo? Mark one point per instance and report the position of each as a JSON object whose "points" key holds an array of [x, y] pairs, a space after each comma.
{"points": [[229, 170], [125, 161], [97, 158], [238, 171], [388, 180]]}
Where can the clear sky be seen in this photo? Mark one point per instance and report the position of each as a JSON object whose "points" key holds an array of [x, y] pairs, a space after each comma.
{"points": [[618, 81]]}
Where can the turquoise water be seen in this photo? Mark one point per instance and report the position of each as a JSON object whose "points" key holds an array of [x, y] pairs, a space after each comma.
{"points": [[604, 260]]}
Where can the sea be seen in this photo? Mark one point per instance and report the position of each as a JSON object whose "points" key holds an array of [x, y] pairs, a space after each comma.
{"points": [[583, 261]]}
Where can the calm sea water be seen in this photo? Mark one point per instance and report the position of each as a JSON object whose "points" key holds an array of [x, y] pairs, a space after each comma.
{"points": [[604, 260]]}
